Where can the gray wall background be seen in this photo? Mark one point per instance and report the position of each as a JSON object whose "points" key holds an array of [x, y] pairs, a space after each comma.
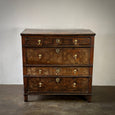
{"points": [[97, 15]]}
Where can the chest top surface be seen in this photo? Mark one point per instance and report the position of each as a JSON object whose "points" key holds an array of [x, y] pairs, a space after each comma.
{"points": [[58, 32]]}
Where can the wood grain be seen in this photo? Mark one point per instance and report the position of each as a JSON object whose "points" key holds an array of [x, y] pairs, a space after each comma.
{"points": [[63, 71], [49, 55], [57, 32], [65, 56], [64, 85], [52, 41]]}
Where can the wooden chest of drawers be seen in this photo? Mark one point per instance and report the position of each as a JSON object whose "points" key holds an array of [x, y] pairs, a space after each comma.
{"points": [[57, 62]]}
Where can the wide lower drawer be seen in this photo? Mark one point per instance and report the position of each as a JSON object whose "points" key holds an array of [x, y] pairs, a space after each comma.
{"points": [[58, 71], [78, 85], [57, 56]]}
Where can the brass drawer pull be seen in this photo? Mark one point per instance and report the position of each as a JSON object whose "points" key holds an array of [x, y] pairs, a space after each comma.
{"points": [[75, 70], [57, 50], [57, 41], [75, 56], [39, 42], [75, 42], [40, 71], [40, 84], [57, 80], [40, 56], [74, 84]]}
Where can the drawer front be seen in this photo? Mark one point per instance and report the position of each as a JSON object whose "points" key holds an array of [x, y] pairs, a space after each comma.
{"points": [[58, 56], [76, 56], [49, 84], [39, 41], [43, 56], [60, 71]]}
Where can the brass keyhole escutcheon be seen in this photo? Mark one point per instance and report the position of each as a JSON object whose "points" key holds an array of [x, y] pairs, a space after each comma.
{"points": [[57, 80], [40, 71], [40, 84], [57, 71], [57, 50], [39, 56], [57, 41], [39, 42], [74, 84], [75, 42]]}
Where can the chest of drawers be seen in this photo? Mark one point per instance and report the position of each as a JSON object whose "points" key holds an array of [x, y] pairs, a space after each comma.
{"points": [[57, 62]]}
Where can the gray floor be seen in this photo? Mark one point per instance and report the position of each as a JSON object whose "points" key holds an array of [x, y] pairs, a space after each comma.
{"points": [[11, 103]]}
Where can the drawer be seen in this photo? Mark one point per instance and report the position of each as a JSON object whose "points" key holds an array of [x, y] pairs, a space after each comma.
{"points": [[50, 84], [58, 71], [52, 41], [59, 56], [78, 56], [44, 56]]}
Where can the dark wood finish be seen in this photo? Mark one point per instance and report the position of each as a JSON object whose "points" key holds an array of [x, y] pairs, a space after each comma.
{"points": [[32, 41], [57, 62], [58, 32], [49, 84], [58, 76], [65, 56], [66, 65], [63, 71]]}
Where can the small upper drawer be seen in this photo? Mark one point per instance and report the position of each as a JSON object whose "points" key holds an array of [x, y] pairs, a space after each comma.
{"points": [[55, 41]]}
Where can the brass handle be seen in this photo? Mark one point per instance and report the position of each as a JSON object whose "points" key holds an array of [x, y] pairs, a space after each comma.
{"points": [[75, 56], [57, 41], [39, 42], [74, 84], [40, 84], [40, 56], [57, 50], [57, 70], [57, 80], [75, 42], [40, 71], [75, 70]]}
